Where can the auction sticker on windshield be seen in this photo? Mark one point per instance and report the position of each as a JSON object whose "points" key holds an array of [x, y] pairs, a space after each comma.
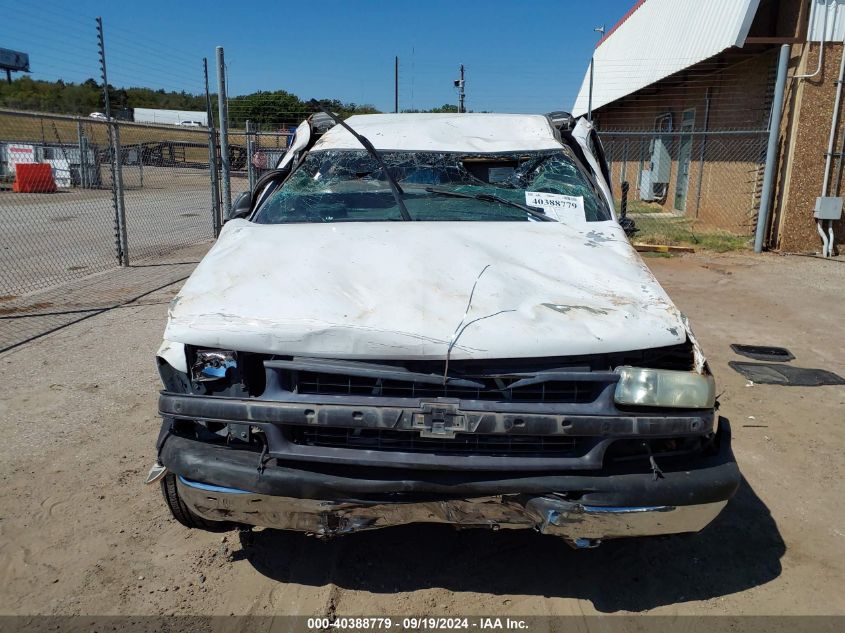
{"points": [[557, 205]]}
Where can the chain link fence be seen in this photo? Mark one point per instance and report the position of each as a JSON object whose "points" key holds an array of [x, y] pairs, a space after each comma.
{"points": [[264, 150], [120, 196], [689, 187], [167, 194], [684, 187], [81, 197], [64, 228]]}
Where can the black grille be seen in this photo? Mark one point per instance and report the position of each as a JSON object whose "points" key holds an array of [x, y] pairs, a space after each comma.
{"points": [[553, 391], [411, 442]]}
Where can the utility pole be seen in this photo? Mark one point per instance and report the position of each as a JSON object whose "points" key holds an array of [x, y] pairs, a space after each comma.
{"points": [[396, 84], [600, 31], [459, 84], [223, 109]]}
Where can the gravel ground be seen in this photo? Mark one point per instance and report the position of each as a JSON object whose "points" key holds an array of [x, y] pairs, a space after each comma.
{"points": [[81, 534]]}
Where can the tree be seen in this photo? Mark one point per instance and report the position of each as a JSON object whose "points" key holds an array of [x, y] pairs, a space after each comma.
{"points": [[268, 110], [445, 108]]}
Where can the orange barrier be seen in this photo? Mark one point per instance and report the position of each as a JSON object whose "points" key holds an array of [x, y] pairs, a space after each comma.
{"points": [[34, 178]]}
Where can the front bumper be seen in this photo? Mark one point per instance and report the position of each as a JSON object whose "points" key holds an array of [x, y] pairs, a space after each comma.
{"points": [[221, 483], [581, 525]]}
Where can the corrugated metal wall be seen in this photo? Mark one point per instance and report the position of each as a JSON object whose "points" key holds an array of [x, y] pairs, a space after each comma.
{"points": [[660, 38], [833, 11]]}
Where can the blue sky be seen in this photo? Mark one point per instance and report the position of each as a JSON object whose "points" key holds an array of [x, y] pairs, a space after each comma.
{"points": [[520, 56]]}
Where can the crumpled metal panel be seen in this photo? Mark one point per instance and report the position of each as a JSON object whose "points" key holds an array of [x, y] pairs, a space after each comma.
{"points": [[466, 132], [547, 514], [399, 290]]}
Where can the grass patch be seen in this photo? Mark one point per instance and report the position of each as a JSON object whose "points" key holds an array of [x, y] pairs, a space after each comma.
{"points": [[678, 230], [682, 232], [638, 206]]}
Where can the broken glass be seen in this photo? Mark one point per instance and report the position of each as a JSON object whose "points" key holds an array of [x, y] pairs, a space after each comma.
{"points": [[350, 186]]}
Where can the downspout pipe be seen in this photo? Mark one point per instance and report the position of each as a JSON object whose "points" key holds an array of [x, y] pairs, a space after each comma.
{"points": [[771, 149]]}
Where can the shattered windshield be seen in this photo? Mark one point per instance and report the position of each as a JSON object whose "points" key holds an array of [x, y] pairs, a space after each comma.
{"points": [[350, 186]]}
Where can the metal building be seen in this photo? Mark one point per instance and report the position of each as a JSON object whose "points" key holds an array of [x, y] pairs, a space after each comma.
{"points": [[683, 92]]}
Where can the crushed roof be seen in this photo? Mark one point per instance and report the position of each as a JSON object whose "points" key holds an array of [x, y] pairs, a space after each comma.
{"points": [[465, 132]]}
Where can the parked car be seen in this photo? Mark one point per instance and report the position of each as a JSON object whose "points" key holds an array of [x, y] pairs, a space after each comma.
{"points": [[191, 124], [436, 318], [98, 115]]}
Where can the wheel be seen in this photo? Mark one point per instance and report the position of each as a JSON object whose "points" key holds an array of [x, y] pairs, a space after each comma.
{"points": [[181, 512]]}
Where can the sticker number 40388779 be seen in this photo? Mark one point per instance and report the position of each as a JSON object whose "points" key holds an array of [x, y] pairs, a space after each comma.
{"points": [[557, 205]]}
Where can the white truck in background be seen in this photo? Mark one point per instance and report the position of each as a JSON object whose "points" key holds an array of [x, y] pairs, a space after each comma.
{"points": [[171, 117]]}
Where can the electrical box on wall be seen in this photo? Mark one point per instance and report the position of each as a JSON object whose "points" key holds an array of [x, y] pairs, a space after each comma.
{"points": [[828, 208]]}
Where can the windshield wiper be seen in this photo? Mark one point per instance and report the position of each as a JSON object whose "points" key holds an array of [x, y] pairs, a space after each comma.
{"points": [[490, 197], [363, 140]]}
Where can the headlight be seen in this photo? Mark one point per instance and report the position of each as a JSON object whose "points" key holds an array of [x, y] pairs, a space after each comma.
{"points": [[213, 364], [664, 388]]}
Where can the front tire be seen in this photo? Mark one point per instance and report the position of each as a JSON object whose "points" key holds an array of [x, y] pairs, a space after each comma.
{"points": [[181, 512]]}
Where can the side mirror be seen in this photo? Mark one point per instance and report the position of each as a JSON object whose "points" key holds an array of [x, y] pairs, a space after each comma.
{"points": [[241, 206]]}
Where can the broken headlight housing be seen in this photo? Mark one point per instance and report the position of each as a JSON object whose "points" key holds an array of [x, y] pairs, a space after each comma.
{"points": [[213, 364], [639, 386]]}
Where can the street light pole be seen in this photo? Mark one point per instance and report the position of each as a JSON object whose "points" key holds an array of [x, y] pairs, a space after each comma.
{"points": [[600, 31]]}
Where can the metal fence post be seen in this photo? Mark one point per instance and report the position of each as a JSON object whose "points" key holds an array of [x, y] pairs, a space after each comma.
{"points": [[120, 204], [703, 149], [250, 148], [771, 150], [623, 201], [117, 159], [216, 218], [623, 175], [222, 107], [83, 156], [213, 167]]}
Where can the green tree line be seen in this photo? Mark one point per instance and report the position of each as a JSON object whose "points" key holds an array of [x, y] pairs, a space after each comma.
{"points": [[269, 110], [60, 97]]}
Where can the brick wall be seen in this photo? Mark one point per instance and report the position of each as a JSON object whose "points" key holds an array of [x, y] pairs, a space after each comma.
{"points": [[728, 167]]}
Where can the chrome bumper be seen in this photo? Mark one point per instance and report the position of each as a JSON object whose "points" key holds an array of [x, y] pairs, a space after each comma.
{"points": [[581, 525]]}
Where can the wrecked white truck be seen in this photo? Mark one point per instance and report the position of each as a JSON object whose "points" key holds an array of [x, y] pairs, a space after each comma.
{"points": [[436, 318]]}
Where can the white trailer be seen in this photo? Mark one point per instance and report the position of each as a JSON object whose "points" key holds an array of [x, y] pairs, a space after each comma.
{"points": [[169, 117]]}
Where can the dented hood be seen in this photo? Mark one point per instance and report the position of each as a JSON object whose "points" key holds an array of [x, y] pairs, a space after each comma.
{"points": [[402, 290]]}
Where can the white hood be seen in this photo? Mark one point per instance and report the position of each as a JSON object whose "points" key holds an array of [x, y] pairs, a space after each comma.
{"points": [[400, 290]]}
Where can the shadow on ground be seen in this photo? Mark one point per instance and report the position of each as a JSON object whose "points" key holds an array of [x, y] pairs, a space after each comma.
{"points": [[741, 549]]}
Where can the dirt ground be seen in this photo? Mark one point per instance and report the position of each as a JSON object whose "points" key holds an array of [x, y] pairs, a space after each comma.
{"points": [[81, 534]]}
